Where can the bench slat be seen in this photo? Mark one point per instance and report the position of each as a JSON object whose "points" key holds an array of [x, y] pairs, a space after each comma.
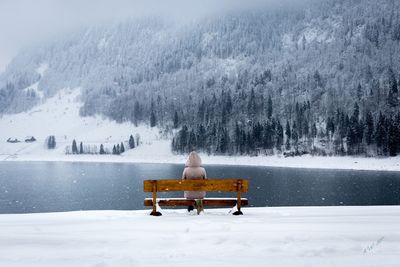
{"points": [[215, 202], [209, 185]]}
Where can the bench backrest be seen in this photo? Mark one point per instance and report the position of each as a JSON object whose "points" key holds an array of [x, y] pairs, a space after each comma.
{"points": [[209, 185]]}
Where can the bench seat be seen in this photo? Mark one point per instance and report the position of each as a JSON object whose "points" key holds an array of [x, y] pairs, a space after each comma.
{"points": [[212, 202]]}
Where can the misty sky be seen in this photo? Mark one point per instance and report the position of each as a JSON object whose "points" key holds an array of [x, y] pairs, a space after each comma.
{"points": [[23, 22]]}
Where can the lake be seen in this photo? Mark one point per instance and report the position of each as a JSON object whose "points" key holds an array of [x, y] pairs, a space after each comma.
{"points": [[27, 187]]}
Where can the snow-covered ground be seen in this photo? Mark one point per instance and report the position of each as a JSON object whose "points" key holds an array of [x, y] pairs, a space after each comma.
{"points": [[301, 236], [59, 116]]}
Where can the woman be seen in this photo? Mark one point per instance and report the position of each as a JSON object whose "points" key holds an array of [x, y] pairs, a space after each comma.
{"points": [[194, 171]]}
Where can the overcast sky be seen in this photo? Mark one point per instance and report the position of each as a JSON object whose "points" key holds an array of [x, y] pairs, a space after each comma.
{"points": [[23, 22]]}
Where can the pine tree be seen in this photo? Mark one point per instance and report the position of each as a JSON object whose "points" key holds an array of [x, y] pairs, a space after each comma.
{"points": [[173, 144], [318, 78], [137, 136], [201, 111], [201, 137], [359, 92], [74, 147], [288, 133], [269, 107], [237, 138], [153, 120], [118, 149], [51, 142], [224, 141], [330, 127], [295, 136], [183, 138], [392, 138], [356, 111], [228, 102], [397, 123], [249, 143], [131, 142], [176, 120], [279, 137], [303, 42], [114, 151], [380, 134], [251, 106], [393, 90], [192, 143], [224, 114], [369, 128], [122, 148], [81, 148], [313, 130], [102, 152]]}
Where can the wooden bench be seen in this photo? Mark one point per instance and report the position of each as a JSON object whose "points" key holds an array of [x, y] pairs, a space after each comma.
{"points": [[210, 185]]}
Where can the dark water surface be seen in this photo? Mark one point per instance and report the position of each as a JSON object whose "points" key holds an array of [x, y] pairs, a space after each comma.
{"points": [[60, 186]]}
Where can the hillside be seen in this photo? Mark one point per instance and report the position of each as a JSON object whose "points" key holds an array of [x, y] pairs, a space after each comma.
{"points": [[308, 78], [59, 116]]}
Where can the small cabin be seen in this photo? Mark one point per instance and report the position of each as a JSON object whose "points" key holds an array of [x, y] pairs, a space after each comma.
{"points": [[30, 139]]}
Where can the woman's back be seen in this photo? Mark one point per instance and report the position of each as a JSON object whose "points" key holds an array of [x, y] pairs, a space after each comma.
{"points": [[194, 171]]}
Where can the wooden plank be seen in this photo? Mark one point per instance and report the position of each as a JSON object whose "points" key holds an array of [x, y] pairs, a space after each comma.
{"points": [[216, 202], [209, 185]]}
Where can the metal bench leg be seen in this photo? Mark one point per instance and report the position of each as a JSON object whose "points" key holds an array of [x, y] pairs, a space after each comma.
{"points": [[155, 212], [238, 212], [239, 201]]}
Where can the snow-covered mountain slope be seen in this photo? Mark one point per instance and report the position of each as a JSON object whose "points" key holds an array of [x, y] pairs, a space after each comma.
{"points": [[33, 89], [59, 116], [318, 51], [301, 236]]}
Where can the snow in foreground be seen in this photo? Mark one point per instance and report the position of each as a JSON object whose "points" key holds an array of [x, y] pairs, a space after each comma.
{"points": [[306, 236], [59, 116]]}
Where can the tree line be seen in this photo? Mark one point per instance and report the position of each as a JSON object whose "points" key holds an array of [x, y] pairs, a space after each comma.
{"points": [[117, 149], [339, 134]]}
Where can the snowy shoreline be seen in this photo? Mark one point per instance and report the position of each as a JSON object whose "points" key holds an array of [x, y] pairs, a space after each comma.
{"points": [[284, 236], [305, 162]]}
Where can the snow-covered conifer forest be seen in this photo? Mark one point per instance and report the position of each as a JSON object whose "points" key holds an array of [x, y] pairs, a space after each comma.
{"points": [[318, 77]]}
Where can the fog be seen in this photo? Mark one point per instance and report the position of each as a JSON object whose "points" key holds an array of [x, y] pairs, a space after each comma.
{"points": [[23, 22]]}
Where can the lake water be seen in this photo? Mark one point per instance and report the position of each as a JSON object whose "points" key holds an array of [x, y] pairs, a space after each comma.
{"points": [[58, 186]]}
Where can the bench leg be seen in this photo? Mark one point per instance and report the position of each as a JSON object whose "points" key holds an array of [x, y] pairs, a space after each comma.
{"points": [[238, 212], [154, 211], [239, 199]]}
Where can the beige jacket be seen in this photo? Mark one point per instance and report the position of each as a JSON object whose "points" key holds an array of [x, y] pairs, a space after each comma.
{"points": [[194, 171]]}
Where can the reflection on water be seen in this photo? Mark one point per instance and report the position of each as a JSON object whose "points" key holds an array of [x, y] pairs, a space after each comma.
{"points": [[61, 186]]}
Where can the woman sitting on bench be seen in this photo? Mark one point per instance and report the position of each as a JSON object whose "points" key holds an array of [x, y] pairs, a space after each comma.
{"points": [[194, 171]]}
